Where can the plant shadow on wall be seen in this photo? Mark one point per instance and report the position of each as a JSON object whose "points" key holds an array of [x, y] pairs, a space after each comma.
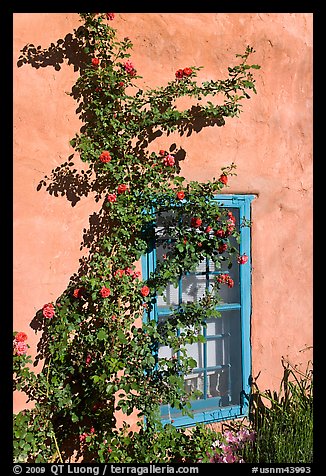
{"points": [[65, 179], [96, 359]]}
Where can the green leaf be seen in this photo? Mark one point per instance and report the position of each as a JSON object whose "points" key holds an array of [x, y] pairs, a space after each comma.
{"points": [[102, 335], [121, 337], [74, 417], [29, 437], [255, 66]]}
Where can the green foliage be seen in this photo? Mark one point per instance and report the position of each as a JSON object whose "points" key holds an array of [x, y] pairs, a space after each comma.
{"points": [[283, 420], [162, 445], [96, 358]]}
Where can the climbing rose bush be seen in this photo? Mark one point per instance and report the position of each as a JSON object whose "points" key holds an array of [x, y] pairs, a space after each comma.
{"points": [[98, 341]]}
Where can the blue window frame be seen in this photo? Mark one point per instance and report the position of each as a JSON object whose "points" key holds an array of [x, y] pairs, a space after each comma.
{"points": [[224, 361]]}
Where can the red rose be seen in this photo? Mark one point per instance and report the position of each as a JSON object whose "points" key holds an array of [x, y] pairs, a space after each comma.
{"points": [[220, 233], [208, 229], [78, 293], [145, 291], [105, 292], [88, 359], [109, 16], [21, 337], [179, 74], [225, 279], [242, 259], [95, 62], [187, 71], [181, 195], [196, 222], [224, 179], [231, 217], [119, 273], [121, 84], [122, 188], [129, 68], [222, 248], [48, 310], [105, 157], [112, 197], [162, 152]]}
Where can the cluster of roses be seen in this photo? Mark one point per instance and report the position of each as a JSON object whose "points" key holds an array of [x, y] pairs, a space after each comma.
{"points": [[168, 161], [127, 66], [196, 222], [181, 73], [225, 279], [127, 272], [112, 197], [231, 450], [19, 345], [84, 435]]}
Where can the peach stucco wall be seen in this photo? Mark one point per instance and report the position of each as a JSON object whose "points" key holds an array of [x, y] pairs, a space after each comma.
{"points": [[271, 144]]}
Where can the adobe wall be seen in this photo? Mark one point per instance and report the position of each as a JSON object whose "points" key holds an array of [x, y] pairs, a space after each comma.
{"points": [[271, 144]]}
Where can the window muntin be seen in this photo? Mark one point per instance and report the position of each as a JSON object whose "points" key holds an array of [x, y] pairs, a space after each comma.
{"points": [[223, 361]]}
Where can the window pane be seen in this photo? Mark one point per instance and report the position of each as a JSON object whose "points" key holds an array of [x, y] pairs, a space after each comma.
{"points": [[193, 288], [218, 384], [170, 297], [196, 352], [164, 352], [214, 326], [194, 381]]}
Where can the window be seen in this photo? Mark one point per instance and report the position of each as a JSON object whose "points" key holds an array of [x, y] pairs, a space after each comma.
{"points": [[222, 374]]}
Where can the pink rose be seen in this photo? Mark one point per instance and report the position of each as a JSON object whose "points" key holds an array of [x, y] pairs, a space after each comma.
{"points": [[129, 68], [20, 348], [48, 310], [169, 160], [242, 259]]}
